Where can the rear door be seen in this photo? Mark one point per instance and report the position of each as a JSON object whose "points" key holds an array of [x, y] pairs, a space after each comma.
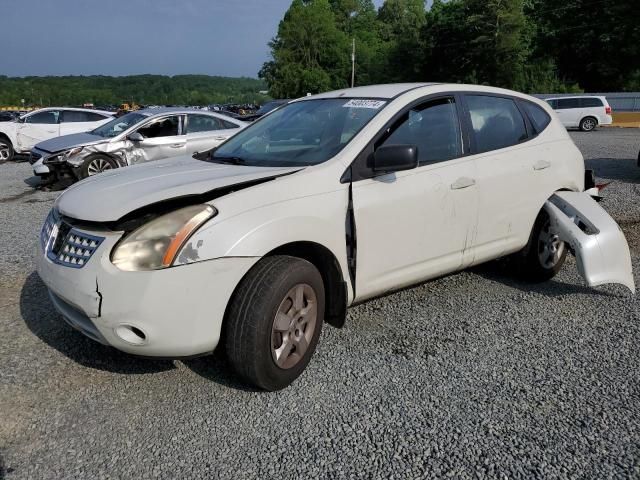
{"points": [[163, 137], [514, 176], [414, 225], [77, 121], [207, 131], [38, 127]]}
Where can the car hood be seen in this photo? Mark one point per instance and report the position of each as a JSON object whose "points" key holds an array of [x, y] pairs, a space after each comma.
{"points": [[111, 195], [66, 142]]}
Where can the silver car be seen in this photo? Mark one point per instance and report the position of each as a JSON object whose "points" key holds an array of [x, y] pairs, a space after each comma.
{"points": [[136, 137]]}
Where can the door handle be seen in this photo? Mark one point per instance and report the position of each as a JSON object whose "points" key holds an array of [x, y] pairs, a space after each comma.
{"points": [[463, 182], [541, 165], [177, 145], [219, 138]]}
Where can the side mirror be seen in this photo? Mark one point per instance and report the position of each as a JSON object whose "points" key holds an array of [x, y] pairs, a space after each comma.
{"points": [[395, 158], [135, 137]]}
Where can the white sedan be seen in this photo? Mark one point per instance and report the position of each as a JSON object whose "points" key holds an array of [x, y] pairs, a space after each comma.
{"points": [[20, 135], [327, 202]]}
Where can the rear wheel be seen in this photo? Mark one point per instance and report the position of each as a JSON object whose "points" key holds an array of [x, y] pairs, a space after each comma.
{"points": [[274, 321], [6, 150], [588, 124], [96, 164], [545, 253]]}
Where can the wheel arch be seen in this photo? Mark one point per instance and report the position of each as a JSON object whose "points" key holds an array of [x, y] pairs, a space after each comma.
{"points": [[329, 267]]}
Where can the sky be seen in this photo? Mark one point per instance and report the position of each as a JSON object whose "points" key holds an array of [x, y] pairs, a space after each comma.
{"points": [[126, 37]]}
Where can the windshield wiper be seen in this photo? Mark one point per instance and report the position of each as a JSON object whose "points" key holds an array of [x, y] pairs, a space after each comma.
{"points": [[229, 160]]}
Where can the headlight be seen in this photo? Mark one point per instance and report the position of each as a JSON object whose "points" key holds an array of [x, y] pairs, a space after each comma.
{"points": [[64, 156], [156, 244]]}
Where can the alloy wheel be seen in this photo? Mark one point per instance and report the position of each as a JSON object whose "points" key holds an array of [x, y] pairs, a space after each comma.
{"points": [[294, 325], [98, 165], [588, 124], [5, 152], [550, 247]]}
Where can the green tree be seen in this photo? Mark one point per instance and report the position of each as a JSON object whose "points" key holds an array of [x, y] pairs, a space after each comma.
{"points": [[595, 44], [400, 23], [309, 54]]}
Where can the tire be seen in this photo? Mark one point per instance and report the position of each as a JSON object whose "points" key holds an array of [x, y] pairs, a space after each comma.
{"points": [[253, 336], [588, 124], [95, 164], [7, 153], [544, 255]]}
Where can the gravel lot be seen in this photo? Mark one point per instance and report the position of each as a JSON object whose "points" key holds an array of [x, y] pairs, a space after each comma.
{"points": [[474, 375]]}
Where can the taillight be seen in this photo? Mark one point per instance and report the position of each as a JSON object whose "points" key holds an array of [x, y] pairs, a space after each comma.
{"points": [[607, 110]]}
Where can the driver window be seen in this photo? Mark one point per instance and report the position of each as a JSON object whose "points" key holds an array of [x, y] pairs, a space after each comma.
{"points": [[433, 127], [50, 117], [162, 127]]}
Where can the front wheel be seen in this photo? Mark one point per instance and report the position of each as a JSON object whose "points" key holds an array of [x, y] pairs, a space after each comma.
{"points": [[545, 253], [6, 150], [588, 124], [274, 320], [96, 164]]}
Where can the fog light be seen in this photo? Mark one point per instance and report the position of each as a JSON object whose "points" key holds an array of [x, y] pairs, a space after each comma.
{"points": [[131, 334]]}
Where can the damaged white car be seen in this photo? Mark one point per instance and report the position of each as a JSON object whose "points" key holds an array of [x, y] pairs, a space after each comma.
{"points": [[327, 202], [136, 137]]}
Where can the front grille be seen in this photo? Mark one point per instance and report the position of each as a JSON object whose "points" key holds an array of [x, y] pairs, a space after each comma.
{"points": [[66, 245], [34, 157]]}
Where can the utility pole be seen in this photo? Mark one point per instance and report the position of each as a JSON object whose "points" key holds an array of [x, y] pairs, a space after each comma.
{"points": [[353, 62]]}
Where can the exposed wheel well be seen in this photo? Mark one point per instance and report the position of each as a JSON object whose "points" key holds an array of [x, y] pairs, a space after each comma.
{"points": [[4, 137], [327, 264]]}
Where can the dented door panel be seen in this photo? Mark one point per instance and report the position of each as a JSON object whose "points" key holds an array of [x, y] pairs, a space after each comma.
{"points": [[600, 247]]}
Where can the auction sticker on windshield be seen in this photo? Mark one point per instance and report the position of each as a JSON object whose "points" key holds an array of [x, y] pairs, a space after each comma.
{"points": [[359, 103]]}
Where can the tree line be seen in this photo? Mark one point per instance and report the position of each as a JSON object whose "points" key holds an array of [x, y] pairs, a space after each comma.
{"points": [[142, 89], [528, 45]]}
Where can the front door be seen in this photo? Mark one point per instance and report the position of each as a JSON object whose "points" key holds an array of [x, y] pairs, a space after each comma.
{"points": [[414, 225], [162, 138], [36, 128]]}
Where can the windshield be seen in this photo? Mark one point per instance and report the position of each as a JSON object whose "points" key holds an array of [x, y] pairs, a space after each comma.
{"points": [[118, 125], [299, 134]]}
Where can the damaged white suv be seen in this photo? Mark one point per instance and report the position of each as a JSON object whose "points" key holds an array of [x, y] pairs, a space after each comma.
{"points": [[326, 202]]}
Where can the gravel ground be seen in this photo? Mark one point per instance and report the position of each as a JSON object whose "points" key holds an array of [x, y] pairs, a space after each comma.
{"points": [[474, 375]]}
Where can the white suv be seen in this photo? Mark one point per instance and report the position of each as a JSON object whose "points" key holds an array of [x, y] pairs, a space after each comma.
{"points": [[324, 203], [20, 135], [585, 113]]}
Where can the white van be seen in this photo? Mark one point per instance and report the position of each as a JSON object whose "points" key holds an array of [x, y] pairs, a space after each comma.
{"points": [[586, 113]]}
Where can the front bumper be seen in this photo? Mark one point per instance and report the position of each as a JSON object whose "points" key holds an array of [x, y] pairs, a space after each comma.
{"points": [[176, 312]]}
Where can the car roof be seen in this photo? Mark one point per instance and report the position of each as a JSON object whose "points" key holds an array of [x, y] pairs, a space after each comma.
{"points": [[76, 109], [149, 112], [384, 91], [574, 96]]}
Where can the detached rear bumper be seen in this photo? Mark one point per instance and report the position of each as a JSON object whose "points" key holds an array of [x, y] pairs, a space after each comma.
{"points": [[175, 312]]}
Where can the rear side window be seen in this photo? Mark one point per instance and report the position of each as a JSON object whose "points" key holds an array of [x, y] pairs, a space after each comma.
{"points": [[497, 122], [229, 124], [591, 102], [537, 116], [203, 123], [566, 103], [73, 116], [553, 103]]}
